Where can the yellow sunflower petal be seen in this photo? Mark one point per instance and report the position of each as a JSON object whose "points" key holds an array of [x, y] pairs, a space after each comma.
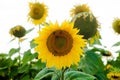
{"points": [[79, 8]]}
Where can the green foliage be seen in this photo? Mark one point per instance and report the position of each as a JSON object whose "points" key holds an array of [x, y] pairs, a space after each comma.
{"points": [[10, 68], [3, 55], [115, 63], [92, 64], [28, 31], [13, 51], [32, 44], [117, 44], [76, 75], [28, 56], [44, 73]]}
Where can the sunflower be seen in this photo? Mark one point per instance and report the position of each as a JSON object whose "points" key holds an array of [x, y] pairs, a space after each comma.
{"points": [[116, 25], [18, 31], [38, 13], [79, 8], [113, 76], [59, 45], [87, 23]]}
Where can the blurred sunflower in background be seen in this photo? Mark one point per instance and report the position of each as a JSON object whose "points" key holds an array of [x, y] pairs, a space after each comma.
{"points": [[38, 13], [116, 25], [18, 31], [87, 23], [84, 20], [79, 8], [59, 45], [114, 74]]}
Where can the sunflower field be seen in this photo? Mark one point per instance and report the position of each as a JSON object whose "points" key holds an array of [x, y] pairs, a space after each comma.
{"points": [[71, 50]]}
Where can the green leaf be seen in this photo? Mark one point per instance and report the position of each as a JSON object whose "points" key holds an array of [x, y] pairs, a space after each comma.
{"points": [[100, 76], [76, 75], [28, 31], [26, 77], [14, 71], [44, 73], [3, 55], [13, 51], [117, 44], [91, 63], [12, 40], [45, 23], [115, 63], [24, 68], [32, 44], [15, 61], [38, 65], [55, 77], [5, 63], [118, 51], [33, 56], [28, 56]]}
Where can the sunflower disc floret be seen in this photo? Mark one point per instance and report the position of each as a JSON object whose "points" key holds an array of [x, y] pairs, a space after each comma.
{"points": [[18, 31], [59, 45]]}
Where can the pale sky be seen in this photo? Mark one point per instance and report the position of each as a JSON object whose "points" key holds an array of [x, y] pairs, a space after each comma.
{"points": [[14, 12]]}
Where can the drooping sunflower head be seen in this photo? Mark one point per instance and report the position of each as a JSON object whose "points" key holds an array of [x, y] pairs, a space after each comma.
{"points": [[87, 23], [79, 8], [38, 13], [59, 45], [116, 25], [18, 31]]}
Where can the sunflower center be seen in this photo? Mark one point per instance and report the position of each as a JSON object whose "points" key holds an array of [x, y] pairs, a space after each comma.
{"points": [[37, 12], [115, 77], [59, 43]]}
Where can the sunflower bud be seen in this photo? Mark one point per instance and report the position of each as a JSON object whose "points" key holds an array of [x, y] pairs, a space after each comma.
{"points": [[87, 24], [116, 25], [18, 31]]}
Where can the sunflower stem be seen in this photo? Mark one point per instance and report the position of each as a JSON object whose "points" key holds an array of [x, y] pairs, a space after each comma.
{"points": [[39, 27], [62, 74], [19, 53]]}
